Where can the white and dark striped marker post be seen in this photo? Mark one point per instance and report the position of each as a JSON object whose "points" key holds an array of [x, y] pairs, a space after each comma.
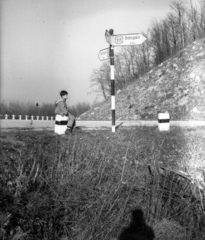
{"points": [[60, 124], [163, 121], [117, 40], [112, 77]]}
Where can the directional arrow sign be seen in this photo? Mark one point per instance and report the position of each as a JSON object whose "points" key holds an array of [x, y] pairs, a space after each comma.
{"points": [[127, 39], [107, 37], [104, 54]]}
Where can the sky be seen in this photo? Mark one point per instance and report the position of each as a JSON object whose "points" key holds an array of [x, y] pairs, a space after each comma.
{"points": [[53, 45]]}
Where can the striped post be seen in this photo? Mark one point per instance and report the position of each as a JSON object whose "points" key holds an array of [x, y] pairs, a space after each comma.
{"points": [[163, 121], [60, 124], [112, 76]]}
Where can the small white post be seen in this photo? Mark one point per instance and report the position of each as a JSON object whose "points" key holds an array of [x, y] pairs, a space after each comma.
{"points": [[47, 118], [42, 118], [13, 117], [26, 117], [6, 116], [32, 118], [51, 118], [163, 121], [19, 117]]}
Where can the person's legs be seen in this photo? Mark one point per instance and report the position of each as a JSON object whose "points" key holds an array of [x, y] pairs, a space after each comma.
{"points": [[71, 124], [68, 130]]}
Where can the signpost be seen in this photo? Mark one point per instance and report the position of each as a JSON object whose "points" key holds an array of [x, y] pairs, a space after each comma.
{"points": [[108, 37], [108, 53], [104, 54], [128, 39]]}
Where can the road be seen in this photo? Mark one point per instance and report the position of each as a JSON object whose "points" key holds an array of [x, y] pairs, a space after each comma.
{"points": [[49, 125]]}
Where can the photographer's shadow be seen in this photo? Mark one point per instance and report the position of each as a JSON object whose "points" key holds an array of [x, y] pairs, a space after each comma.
{"points": [[138, 229]]}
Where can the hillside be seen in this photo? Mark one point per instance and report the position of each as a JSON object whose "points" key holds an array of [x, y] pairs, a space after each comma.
{"points": [[176, 85]]}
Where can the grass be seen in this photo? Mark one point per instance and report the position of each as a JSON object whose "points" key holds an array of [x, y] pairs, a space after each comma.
{"points": [[85, 186]]}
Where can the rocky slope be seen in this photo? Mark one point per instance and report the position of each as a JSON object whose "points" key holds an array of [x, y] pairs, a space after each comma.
{"points": [[176, 85]]}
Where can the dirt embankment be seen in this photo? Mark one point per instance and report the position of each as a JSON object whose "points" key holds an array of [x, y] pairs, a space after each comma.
{"points": [[176, 85]]}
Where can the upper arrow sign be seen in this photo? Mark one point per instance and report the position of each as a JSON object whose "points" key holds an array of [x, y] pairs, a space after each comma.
{"points": [[107, 37], [104, 54], [127, 39]]}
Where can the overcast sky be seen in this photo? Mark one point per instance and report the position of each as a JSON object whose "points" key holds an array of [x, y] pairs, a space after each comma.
{"points": [[53, 45]]}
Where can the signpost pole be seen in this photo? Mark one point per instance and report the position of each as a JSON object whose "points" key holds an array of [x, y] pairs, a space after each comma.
{"points": [[117, 40], [112, 77]]}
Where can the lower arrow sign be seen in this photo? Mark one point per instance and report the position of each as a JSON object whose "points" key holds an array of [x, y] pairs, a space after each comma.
{"points": [[104, 54]]}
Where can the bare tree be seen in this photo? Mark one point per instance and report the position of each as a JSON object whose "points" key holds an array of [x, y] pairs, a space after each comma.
{"points": [[100, 80], [171, 22], [156, 39], [145, 54], [202, 18], [194, 21], [134, 61], [184, 24], [179, 13]]}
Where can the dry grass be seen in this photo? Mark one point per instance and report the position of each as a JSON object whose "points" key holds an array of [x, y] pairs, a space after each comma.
{"points": [[167, 229], [85, 186]]}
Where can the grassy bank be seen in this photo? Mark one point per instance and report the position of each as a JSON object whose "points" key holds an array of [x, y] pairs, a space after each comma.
{"points": [[85, 186]]}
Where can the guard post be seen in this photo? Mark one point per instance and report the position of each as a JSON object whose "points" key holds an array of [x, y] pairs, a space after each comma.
{"points": [[163, 121]]}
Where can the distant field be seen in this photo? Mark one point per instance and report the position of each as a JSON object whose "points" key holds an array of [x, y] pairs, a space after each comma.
{"points": [[85, 185]]}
